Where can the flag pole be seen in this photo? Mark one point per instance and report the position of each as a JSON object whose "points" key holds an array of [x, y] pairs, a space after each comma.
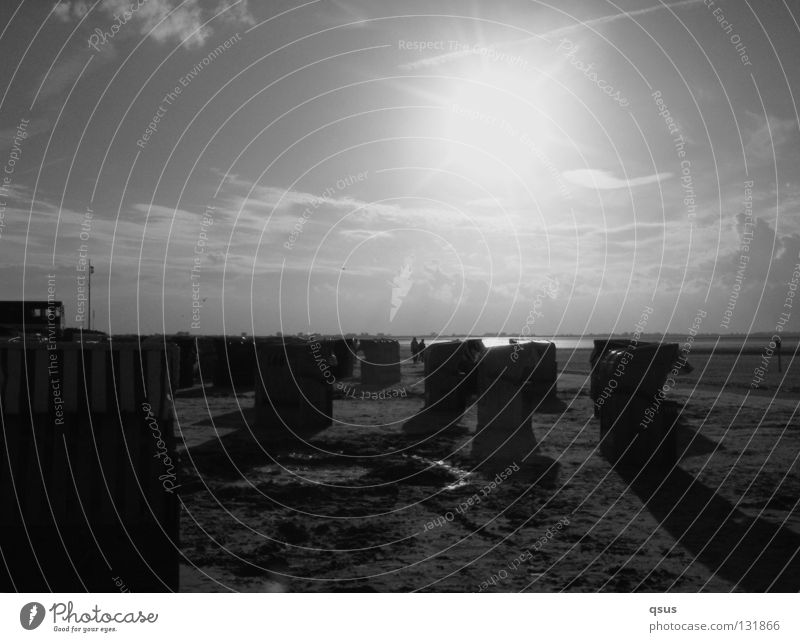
{"points": [[91, 271]]}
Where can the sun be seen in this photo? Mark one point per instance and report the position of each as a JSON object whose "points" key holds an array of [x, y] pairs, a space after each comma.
{"points": [[494, 126]]}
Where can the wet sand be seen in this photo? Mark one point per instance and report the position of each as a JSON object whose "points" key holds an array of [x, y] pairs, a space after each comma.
{"points": [[368, 506]]}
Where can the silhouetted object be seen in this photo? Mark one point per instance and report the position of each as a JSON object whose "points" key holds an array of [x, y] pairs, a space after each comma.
{"points": [[512, 381], [342, 356], [206, 359], [421, 350], [33, 317], [89, 316], [778, 350], [188, 360], [451, 378], [451, 374], [600, 347], [235, 362], [629, 388], [381, 363], [86, 336], [7, 334], [414, 349], [294, 396], [90, 493]]}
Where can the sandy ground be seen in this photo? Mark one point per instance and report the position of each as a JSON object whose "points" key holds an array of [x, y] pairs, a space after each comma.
{"points": [[366, 506]]}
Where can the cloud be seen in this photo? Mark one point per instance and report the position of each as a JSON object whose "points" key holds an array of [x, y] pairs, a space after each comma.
{"points": [[237, 13], [435, 61], [163, 20], [162, 212], [334, 12], [614, 17], [34, 127], [68, 11], [756, 287], [363, 235], [599, 179], [401, 284], [769, 256], [66, 72], [441, 59], [769, 133], [184, 23], [290, 204]]}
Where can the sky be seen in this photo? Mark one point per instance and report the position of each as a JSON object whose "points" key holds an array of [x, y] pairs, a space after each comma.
{"points": [[410, 168]]}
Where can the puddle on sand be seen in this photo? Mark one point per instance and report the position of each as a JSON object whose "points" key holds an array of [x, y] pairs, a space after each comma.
{"points": [[330, 475], [460, 475], [345, 475], [311, 469], [316, 468], [322, 475]]}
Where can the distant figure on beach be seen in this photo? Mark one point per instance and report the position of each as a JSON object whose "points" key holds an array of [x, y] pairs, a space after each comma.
{"points": [[414, 349], [421, 350]]}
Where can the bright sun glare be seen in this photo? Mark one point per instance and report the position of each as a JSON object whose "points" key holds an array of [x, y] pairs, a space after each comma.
{"points": [[498, 115]]}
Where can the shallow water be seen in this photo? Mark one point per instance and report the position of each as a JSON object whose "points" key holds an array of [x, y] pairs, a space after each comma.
{"points": [[704, 344]]}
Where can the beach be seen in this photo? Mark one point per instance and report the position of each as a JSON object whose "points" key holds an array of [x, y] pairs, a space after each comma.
{"points": [[366, 505]]}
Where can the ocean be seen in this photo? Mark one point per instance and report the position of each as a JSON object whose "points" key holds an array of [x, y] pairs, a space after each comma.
{"points": [[701, 343]]}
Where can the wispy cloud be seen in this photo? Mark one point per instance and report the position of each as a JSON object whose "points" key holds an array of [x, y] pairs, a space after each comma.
{"points": [[614, 17], [401, 284], [163, 20], [67, 11], [600, 179], [360, 234], [283, 206], [435, 61], [66, 72], [767, 135]]}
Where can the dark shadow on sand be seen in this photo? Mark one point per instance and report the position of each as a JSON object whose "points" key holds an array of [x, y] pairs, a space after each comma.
{"points": [[690, 443], [209, 390], [755, 554], [535, 469], [234, 453], [432, 421]]}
